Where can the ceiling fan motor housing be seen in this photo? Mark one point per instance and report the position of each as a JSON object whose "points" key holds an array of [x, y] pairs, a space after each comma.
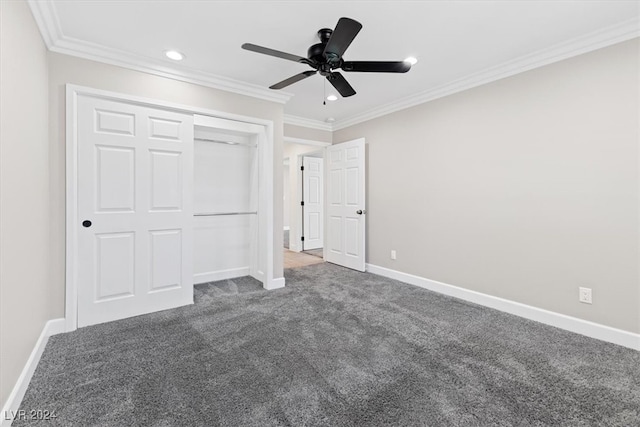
{"points": [[316, 53]]}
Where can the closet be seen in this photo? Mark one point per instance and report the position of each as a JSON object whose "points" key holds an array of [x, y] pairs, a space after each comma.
{"points": [[161, 197], [225, 203]]}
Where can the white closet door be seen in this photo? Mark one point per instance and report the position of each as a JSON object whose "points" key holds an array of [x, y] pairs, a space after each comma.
{"points": [[135, 178], [313, 195]]}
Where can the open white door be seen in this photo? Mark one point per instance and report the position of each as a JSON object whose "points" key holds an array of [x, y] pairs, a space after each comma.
{"points": [[135, 230], [345, 237], [312, 196]]}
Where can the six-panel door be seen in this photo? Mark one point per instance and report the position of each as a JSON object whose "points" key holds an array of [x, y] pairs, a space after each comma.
{"points": [[135, 172], [345, 237], [313, 195]]}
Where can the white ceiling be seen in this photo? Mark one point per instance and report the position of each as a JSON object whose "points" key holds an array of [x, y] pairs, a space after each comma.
{"points": [[455, 41]]}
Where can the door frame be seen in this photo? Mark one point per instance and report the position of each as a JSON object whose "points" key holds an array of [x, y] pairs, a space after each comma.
{"points": [[265, 190], [300, 180], [294, 217]]}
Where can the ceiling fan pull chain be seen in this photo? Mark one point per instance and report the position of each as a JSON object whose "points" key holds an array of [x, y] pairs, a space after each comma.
{"points": [[324, 98]]}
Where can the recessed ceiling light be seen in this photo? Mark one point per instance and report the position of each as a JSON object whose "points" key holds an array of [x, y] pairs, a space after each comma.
{"points": [[175, 55], [411, 60], [331, 98]]}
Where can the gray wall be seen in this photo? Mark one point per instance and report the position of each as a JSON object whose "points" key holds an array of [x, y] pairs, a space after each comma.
{"points": [[66, 69], [525, 188], [294, 131], [24, 190]]}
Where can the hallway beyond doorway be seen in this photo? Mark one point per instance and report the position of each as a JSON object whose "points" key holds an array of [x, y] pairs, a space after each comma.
{"points": [[299, 259]]}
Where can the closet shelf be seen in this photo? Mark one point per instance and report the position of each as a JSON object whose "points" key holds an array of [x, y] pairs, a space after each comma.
{"points": [[218, 141], [224, 213]]}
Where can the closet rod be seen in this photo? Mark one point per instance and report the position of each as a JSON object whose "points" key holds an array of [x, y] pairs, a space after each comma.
{"points": [[217, 141], [225, 213]]}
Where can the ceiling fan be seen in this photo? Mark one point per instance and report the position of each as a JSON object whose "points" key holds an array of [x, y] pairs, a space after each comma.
{"points": [[326, 56]]}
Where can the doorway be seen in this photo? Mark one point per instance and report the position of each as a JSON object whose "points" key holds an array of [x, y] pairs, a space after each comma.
{"points": [[342, 191], [293, 151]]}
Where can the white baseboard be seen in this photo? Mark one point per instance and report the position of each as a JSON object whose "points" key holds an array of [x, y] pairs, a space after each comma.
{"points": [[274, 284], [213, 276], [572, 324], [11, 406], [294, 248]]}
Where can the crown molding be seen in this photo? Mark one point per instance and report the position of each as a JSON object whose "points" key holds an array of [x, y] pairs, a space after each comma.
{"points": [[608, 36], [47, 20], [307, 123], [99, 53], [302, 141]]}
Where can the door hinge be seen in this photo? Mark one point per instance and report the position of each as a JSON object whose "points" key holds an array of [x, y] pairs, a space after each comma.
{"points": [[301, 168], [302, 203], [302, 238]]}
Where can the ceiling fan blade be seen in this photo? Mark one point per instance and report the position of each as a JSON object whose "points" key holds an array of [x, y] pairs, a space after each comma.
{"points": [[341, 84], [276, 53], [376, 66], [341, 38], [291, 80]]}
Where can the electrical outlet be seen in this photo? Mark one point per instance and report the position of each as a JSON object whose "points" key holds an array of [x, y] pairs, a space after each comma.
{"points": [[393, 254], [584, 295]]}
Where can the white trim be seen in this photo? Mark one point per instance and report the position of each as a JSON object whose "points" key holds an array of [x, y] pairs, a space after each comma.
{"points": [[266, 204], [275, 284], [94, 52], [307, 123], [306, 141], [294, 248], [286, 228], [174, 106], [11, 406], [47, 20], [213, 276], [295, 242], [604, 37], [71, 192], [266, 207], [572, 324]]}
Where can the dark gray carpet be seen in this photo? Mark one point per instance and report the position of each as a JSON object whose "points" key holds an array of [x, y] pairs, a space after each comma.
{"points": [[239, 285], [334, 348], [286, 239], [315, 252]]}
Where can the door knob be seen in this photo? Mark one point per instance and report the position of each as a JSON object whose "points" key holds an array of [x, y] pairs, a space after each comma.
{"points": [[86, 223], [360, 211]]}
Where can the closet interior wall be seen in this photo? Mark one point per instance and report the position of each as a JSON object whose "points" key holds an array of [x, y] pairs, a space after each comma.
{"points": [[225, 204]]}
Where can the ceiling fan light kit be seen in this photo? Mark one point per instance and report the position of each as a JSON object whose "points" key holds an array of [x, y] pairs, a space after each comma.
{"points": [[327, 56]]}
